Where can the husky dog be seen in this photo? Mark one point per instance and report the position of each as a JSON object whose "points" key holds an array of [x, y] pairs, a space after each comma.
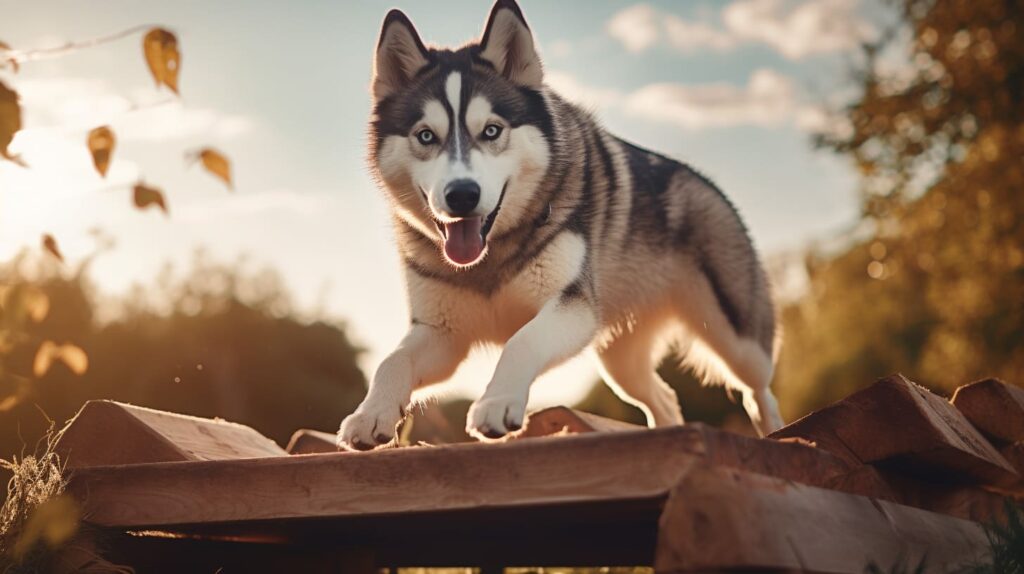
{"points": [[521, 222]]}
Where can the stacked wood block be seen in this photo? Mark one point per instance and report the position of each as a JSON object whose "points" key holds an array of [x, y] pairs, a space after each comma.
{"points": [[890, 474]]}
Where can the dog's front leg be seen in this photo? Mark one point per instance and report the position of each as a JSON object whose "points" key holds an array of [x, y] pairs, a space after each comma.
{"points": [[563, 327], [426, 355]]}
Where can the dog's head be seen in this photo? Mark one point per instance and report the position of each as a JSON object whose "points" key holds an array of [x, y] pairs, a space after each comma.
{"points": [[460, 138]]}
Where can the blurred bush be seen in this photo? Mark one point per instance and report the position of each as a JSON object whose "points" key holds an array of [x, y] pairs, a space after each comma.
{"points": [[219, 341]]}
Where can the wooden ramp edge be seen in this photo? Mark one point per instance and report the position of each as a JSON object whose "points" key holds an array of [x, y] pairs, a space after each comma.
{"points": [[736, 518], [112, 433]]}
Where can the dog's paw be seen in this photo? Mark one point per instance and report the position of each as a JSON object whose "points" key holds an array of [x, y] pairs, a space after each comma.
{"points": [[368, 427], [494, 417]]}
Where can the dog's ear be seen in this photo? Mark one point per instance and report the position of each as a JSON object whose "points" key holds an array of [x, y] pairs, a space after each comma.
{"points": [[400, 54], [507, 44]]}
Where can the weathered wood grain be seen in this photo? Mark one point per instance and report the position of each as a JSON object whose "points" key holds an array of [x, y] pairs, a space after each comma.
{"points": [[309, 441], [727, 519], [552, 470], [993, 407], [556, 420], [899, 423], [111, 433]]}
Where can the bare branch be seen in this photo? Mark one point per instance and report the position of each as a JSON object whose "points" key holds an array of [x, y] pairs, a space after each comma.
{"points": [[14, 58]]}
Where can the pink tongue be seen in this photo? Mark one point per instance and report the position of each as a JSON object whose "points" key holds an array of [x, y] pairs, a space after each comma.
{"points": [[463, 244]]}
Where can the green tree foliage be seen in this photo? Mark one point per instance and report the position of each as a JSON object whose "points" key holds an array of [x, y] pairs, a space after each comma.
{"points": [[219, 342], [934, 287]]}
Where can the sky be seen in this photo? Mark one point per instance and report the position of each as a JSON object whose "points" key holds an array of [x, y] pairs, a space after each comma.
{"points": [[733, 87]]}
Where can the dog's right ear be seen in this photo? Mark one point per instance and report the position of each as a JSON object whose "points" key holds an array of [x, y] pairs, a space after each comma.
{"points": [[400, 54]]}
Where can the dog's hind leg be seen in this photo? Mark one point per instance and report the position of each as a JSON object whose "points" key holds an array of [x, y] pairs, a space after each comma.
{"points": [[721, 354], [628, 363]]}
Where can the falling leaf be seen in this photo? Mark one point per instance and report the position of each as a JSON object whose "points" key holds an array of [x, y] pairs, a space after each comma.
{"points": [[54, 522], [10, 119], [146, 196], [71, 355], [8, 403], [22, 391], [50, 244], [101, 145], [216, 163], [162, 56]]}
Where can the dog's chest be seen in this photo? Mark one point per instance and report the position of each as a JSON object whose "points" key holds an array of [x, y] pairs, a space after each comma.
{"points": [[496, 315]]}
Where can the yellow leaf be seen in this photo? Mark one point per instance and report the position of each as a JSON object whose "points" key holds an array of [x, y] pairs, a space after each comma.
{"points": [[71, 355], [101, 144], [161, 50], [54, 522], [21, 393], [217, 164], [146, 196], [9, 403], [50, 244], [10, 119]]}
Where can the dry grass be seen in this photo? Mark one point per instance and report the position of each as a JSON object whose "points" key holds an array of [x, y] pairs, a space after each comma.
{"points": [[36, 479]]}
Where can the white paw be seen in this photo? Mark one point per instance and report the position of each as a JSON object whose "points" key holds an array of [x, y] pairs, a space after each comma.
{"points": [[494, 417], [368, 427]]}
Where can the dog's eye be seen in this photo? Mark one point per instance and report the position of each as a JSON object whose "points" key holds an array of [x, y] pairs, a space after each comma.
{"points": [[426, 137], [491, 132]]}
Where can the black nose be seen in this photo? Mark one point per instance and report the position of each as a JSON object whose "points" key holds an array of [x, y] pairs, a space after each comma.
{"points": [[462, 196]]}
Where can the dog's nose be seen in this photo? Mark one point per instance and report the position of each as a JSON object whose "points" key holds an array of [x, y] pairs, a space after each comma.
{"points": [[462, 196]]}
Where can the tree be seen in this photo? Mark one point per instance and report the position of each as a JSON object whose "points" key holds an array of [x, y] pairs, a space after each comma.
{"points": [[934, 286]]}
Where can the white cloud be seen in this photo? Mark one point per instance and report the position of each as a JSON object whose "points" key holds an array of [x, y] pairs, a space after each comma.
{"points": [[81, 104], [794, 28], [275, 202], [558, 48], [636, 27], [769, 99], [797, 29], [688, 37], [575, 91]]}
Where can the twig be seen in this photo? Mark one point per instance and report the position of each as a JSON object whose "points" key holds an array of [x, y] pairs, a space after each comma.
{"points": [[16, 57]]}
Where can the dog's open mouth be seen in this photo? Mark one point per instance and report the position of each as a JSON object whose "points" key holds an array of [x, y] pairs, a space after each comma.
{"points": [[465, 239]]}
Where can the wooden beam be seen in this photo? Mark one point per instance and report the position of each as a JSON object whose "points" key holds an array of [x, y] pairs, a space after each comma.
{"points": [[994, 407], [727, 519], [902, 424], [563, 420], [556, 470], [109, 433], [309, 441]]}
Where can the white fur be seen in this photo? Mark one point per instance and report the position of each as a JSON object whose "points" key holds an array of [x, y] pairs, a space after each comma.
{"points": [[453, 91], [526, 316]]}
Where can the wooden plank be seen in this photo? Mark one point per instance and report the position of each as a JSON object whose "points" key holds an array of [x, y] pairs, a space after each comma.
{"points": [[563, 420], [103, 433], [110, 433], [899, 423], [993, 407], [554, 470], [727, 519], [153, 554], [309, 441]]}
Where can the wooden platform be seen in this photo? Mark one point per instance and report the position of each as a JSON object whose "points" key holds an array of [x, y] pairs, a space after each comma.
{"points": [[571, 489]]}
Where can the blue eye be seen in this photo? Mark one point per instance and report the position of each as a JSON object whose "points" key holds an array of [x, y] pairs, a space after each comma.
{"points": [[491, 132], [426, 137]]}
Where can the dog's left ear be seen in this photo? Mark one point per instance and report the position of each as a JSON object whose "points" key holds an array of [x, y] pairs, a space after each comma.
{"points": [[508, 45]]}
